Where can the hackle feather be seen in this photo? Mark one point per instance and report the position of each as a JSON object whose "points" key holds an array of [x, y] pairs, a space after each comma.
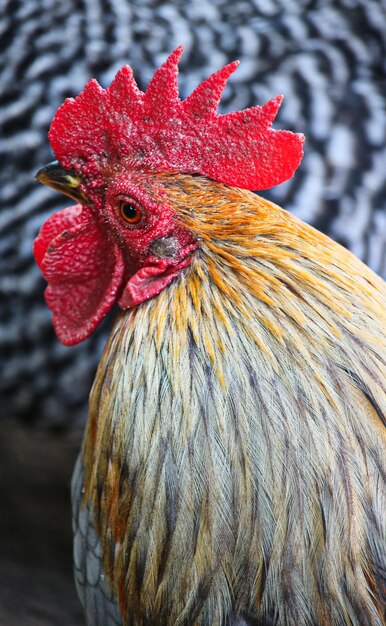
{"points": [[233, 455]]}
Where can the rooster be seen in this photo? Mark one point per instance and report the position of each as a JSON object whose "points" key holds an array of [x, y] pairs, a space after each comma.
{"points": [[232, 470]]}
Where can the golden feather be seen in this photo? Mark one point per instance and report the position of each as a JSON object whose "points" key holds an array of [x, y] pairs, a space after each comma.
{"points": [[240, 420]]}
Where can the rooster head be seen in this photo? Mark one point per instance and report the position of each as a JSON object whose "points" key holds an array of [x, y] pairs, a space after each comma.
{"points": [[116, 148]]}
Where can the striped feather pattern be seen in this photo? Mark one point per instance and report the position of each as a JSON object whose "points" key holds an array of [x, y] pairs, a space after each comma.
{"points": [[326, 57], [234, 454]]}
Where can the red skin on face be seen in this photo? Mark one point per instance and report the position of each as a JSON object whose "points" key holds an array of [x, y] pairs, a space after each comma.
{"points": [[91, 257]]}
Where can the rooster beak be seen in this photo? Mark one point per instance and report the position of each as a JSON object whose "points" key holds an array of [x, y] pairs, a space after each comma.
{"points": [[65, 181]]}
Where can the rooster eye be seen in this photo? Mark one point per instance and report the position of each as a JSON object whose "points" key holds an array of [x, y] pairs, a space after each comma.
{"points": [[130, 212]]}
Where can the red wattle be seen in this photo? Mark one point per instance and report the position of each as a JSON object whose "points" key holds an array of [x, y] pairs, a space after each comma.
{"points": [[54, 226], [84, 269]]}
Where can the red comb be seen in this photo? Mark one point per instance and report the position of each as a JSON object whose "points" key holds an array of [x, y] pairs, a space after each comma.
{"points": [[156, 129]]}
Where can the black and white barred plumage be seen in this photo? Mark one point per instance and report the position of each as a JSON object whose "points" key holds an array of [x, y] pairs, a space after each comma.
{"points": [[326, 57]]}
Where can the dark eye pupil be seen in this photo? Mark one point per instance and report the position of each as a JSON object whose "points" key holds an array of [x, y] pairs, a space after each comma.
{"points": [[129, 211]]}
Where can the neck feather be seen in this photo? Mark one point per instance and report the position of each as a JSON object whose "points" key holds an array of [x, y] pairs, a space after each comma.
{"points": [[236, 386]]}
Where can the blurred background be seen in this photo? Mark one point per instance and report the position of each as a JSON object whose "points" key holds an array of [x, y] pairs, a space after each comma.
{"points": [[327, 57]]}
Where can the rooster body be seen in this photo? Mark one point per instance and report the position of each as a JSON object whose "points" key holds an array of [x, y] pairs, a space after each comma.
{"points": [[232, 470]]}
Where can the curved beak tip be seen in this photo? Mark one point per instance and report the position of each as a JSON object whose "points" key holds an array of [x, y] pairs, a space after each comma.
{"points": [[65, 181]]}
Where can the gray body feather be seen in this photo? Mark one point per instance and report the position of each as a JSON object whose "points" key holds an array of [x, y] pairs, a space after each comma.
{"points": [[93, 590]]}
